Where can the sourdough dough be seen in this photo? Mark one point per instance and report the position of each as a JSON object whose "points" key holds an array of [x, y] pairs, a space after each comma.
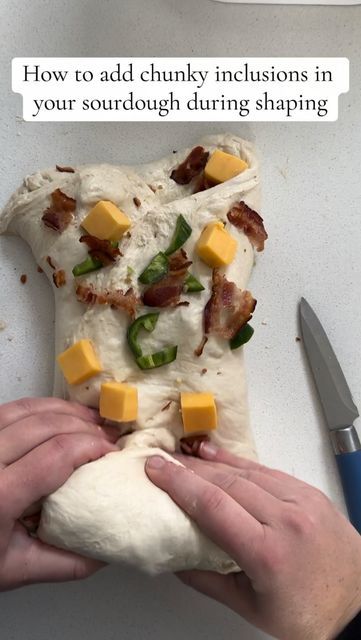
{"points": [[108, 509]]}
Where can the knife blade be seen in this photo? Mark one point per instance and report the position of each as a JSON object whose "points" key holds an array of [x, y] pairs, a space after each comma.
{"points": [[338, 406]]}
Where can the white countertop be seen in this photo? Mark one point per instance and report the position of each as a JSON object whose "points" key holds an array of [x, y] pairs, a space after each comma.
{"points": [[312, 195]]}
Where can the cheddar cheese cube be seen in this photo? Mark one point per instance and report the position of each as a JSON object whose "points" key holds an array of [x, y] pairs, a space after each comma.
{"points": [[199, 412], [118, 402], [223, 166], [106, 221], [216, 247], [79, 362]]}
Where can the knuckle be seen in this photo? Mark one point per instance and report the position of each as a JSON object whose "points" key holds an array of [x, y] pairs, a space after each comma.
{"points": [[26, 404], [299, 522], [226, 481], [212, 499], [59, 445], [272, 560]]}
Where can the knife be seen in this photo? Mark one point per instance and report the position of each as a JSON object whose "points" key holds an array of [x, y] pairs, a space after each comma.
{"points": [[338, 406]]}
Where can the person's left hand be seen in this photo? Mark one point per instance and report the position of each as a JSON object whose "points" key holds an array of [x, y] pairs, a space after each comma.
{"points": [[42, 441]]}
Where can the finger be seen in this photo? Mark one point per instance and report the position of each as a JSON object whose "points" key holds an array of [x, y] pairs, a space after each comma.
{"points": [[29, 560], [45, 469], [30, 432], [227, 523], [13, 411], [273, 486], [209, 451], [261, 504], [233, 590]]}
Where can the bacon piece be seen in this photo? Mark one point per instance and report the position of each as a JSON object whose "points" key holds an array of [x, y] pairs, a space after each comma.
{"points": [[203, 183], [60, 213], [23, 278], [136, 201], [64, 169], [191, 167], [245, 218], [50, 262], [166, 406], [191, 444], [199, 350], [228, 308], [167, 291], [39, 269], [59, 278], [101, 250], [127, 301]]}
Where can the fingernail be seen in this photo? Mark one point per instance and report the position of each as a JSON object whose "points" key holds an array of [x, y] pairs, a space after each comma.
{"points": [[155, 462], [208, 450]]}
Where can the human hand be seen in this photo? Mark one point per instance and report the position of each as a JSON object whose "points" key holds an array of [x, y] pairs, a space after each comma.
{"points": [[42, 441], [301, 558]]}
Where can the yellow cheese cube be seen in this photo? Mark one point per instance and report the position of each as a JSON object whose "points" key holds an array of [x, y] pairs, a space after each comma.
{"points": [[199, 412], [216, 247], [106, 221], [79, 362], [223, 166], [118, 402]]}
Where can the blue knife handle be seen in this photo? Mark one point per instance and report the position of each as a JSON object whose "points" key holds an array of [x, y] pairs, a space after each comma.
{"points": [[349, 466]]}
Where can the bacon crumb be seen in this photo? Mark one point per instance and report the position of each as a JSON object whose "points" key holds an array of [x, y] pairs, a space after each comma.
{"points": [[154, 189], [101, 250], [298, 339], [137, 202], [191, 167], [127, 301], [199, 350], [64, 169], [191, 444], [251, 223], [166, 406], [60, 213], [59, 278], [203, 371], [39, 269], [23, 278], [50, 262]]}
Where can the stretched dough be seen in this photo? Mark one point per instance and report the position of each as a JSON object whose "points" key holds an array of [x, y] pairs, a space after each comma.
{"points": [[108, 509]]}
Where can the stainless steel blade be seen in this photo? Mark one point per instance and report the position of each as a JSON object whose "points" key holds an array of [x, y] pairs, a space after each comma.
{"points": [[338, 405]]}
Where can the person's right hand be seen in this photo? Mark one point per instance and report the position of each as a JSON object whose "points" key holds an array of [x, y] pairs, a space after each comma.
{"points": [[42, 441], [301, 557]]}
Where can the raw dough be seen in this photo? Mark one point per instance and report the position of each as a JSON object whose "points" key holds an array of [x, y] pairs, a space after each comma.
{"points": [[108, 509]]}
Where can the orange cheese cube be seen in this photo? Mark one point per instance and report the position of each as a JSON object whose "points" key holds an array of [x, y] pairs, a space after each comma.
{"points": [[118, 402], [223, 166], [79, 362], [199, 412], [106, 221], [216, 247]]}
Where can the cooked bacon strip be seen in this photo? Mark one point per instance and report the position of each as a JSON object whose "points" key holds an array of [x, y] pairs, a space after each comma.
{"points": [[191, 444], [228, 308], [245, 218], [59, 278], [199, 350], [127, 301], [64, 169], [191, 166], [101, 250], [167, 291], [60, 213]]}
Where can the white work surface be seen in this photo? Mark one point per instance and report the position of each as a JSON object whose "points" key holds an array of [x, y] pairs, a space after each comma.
{"points": [[311, 206]]}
